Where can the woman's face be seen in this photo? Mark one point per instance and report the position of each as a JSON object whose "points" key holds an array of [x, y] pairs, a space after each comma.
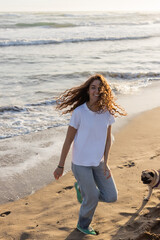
{"points": [[94, 91]]}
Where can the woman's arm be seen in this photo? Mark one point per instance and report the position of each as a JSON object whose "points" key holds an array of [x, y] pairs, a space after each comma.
{"points": [[106, 151], [71, 132]]}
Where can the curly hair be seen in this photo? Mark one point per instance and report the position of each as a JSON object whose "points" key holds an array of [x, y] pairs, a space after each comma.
{"points": [[76, 96]]}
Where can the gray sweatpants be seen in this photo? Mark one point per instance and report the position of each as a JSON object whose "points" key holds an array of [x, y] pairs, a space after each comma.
{"points": [[94, 187]]}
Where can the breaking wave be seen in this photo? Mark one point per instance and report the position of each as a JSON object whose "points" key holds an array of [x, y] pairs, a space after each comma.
{"points": [[8, 43]]}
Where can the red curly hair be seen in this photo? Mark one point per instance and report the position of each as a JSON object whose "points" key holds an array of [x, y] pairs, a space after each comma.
{"points": [[76, 96]]}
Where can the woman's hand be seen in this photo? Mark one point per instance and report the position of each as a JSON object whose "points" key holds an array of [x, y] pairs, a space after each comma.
{"points": [[107, 171], [71, 132], [58, 173]]}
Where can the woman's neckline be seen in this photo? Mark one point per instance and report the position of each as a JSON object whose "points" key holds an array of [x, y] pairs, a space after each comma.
{"points": [[90, 108], [91, 111]]}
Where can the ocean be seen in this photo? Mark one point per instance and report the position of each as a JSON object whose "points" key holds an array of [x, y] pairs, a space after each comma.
{"points": [[43, 54]]}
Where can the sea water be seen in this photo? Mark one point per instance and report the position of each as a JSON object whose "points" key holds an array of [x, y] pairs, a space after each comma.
{"points": [[43, 54]]}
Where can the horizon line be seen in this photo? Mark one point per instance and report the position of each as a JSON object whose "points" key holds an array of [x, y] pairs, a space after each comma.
{"points": [[52, 11]]}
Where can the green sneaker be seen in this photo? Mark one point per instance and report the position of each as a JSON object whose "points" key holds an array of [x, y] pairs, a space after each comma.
{"points": [[79, 197], [87, 231]]}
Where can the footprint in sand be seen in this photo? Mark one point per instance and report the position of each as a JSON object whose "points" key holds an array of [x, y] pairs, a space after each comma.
{"points": [[155, 156], [125, 214], [68, 188], [65, 188], [5, 213], [127, 164]]}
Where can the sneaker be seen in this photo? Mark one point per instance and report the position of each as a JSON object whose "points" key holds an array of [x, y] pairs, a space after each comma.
{"points": [[87, 231], [79, 197]]}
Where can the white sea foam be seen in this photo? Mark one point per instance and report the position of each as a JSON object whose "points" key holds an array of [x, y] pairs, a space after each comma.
{"points": [[130, 87]]}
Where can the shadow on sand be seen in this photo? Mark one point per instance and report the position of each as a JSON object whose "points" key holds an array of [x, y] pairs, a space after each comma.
{"points": [[139, 224], [75, 235]]}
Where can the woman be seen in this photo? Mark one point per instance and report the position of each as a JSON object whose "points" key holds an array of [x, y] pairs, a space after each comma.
{"points": [[94, 108]]}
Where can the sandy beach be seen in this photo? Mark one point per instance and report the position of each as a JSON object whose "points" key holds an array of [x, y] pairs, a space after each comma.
{"points": [[52, 212]]}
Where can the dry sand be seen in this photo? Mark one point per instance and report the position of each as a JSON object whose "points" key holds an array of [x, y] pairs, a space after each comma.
{"points": [[52, 212]]}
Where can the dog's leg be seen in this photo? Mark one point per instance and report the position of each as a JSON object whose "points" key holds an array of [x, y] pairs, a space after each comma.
{"points": [[149, 194]]}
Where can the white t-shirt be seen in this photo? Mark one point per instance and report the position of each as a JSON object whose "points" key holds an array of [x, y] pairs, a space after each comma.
{"points": [[90, 139]]}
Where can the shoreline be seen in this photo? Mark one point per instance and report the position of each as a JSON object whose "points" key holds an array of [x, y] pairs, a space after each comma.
{"points": [[52, 212], [134, 102], [33, 154]]}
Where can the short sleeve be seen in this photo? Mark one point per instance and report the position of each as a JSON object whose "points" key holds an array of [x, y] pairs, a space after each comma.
{"points": [[111, 119], [75, 119]]}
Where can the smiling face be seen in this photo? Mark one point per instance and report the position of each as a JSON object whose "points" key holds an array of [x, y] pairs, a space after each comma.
{"points": [[93, 91]]}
